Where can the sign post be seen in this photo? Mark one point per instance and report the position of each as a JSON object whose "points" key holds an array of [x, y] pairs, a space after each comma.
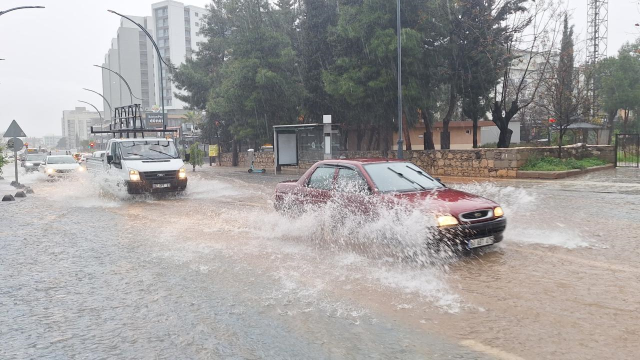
{"points": [[14, 131], [326, 120], [213, 152]]}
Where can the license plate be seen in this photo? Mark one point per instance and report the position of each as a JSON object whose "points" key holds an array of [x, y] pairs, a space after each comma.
{"points": [[160, 186], [480, 242]]}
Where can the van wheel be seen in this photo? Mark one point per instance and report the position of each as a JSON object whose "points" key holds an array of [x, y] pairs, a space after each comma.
{"points": [[250, 171]]}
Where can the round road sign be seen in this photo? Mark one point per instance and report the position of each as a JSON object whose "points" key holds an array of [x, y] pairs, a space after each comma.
{"points": [[15, 144]]}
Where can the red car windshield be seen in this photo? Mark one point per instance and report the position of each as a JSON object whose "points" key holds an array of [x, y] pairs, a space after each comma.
{"points": [[400, 177]]}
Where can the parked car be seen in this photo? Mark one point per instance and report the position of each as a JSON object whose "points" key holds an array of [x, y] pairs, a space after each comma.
{"points": [[61, 166], [32, 161], [365, 185]]}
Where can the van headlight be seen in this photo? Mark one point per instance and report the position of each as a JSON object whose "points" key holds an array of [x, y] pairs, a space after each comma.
{"points": [[182, 173], [50, 171], [81, 169], [134, 175], [446, 220], [498, 212], [29, 164]]}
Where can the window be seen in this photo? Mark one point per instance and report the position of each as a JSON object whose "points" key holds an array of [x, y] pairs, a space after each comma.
{"points": [[115, 152], [351, 182], [197, 15], [322, 178], [197, 24], [400, 177]]}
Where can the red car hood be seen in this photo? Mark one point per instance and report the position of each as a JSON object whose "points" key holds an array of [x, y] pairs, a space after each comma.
{"points": [[447, 201]]}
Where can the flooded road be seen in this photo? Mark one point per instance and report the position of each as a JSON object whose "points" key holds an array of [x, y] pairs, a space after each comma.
{"points": [[88, 272]]}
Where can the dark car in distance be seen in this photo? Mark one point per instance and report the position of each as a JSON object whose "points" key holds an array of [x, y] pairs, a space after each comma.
{"points": [[463, 219]]}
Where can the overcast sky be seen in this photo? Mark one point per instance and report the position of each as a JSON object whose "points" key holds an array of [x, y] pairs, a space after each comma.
{"points": [[50, 52]]}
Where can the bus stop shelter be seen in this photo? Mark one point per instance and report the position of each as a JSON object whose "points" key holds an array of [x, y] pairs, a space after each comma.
{"points": [[304, 144]]}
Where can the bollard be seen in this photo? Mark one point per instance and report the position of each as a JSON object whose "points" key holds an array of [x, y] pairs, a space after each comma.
{"points": [[8, 198], [29, 190], [20, 194], [17, 185]]}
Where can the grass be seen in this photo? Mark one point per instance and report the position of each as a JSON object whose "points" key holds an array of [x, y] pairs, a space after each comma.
{"points": [[555, 164], [629, 158]]}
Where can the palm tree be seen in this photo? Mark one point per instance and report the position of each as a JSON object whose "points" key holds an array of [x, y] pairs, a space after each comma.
{"points": [[192, 117]]}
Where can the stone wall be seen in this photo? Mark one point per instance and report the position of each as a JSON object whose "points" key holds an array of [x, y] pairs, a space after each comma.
{"points": [[262, 160], [491, 162]]}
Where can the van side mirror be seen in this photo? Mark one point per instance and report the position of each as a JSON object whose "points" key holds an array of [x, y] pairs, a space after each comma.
{"points": [[109, 159], [187, 157]]}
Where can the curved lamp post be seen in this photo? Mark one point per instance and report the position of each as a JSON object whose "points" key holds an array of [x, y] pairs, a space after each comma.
{"points": [[160, 62], [21, 7], [105, 100], [125, 82], [101, 119]]}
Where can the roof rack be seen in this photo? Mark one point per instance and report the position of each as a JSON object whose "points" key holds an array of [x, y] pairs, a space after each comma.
{"points": [[127, 121]]}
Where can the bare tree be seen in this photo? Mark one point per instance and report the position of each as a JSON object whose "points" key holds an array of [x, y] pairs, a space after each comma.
{"points": [[530, 54]]}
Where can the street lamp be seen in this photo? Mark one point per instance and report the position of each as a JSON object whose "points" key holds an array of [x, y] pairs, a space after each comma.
{"points": [[160, 62], [101, 119], [400, 155], [125, 82], [21, 7], [105, 100]]}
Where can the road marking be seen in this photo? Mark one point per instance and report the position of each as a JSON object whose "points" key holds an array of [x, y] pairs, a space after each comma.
{"points": [[593, 263], [489, 350]]}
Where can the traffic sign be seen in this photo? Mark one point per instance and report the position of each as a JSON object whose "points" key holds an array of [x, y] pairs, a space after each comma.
{"points": [[15, 144], [14, 130]]}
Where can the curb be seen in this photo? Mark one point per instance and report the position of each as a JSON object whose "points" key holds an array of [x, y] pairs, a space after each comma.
{"points": [[552, 175]]}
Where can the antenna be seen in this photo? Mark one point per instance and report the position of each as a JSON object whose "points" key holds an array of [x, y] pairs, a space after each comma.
{"points": [[597, 39]]}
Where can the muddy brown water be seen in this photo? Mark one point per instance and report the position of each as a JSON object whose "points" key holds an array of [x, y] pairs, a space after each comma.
{"points": [[88, 272]]}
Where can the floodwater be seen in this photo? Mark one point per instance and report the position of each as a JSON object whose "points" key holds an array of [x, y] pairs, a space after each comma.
{"points": [[89, 272]]}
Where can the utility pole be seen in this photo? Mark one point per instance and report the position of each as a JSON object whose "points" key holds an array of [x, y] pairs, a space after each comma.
{"points": [[400, 145]]}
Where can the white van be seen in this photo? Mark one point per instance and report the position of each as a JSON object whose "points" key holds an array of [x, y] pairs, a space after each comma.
{"points": [[146, 165]]}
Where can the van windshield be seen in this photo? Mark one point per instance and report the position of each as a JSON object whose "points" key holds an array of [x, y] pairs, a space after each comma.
{"points": [[148, 150]]}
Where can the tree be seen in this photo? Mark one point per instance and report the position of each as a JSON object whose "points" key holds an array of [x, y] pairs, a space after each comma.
{"points": [[62, 143], [566, 94], [481, 55], [364, 73], [194, 118], [620, 84], [196, 156], [476, 53], [529, 55], [315, 56], [2, 159]]}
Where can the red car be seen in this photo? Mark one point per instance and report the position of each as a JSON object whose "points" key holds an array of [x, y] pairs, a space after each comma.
{"points": [[364, 185]]}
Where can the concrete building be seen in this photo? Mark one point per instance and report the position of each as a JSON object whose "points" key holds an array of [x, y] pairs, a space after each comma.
{"points": [[461, 134], [132, 56], [176, 29], [50, 141], [76, 125]]}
